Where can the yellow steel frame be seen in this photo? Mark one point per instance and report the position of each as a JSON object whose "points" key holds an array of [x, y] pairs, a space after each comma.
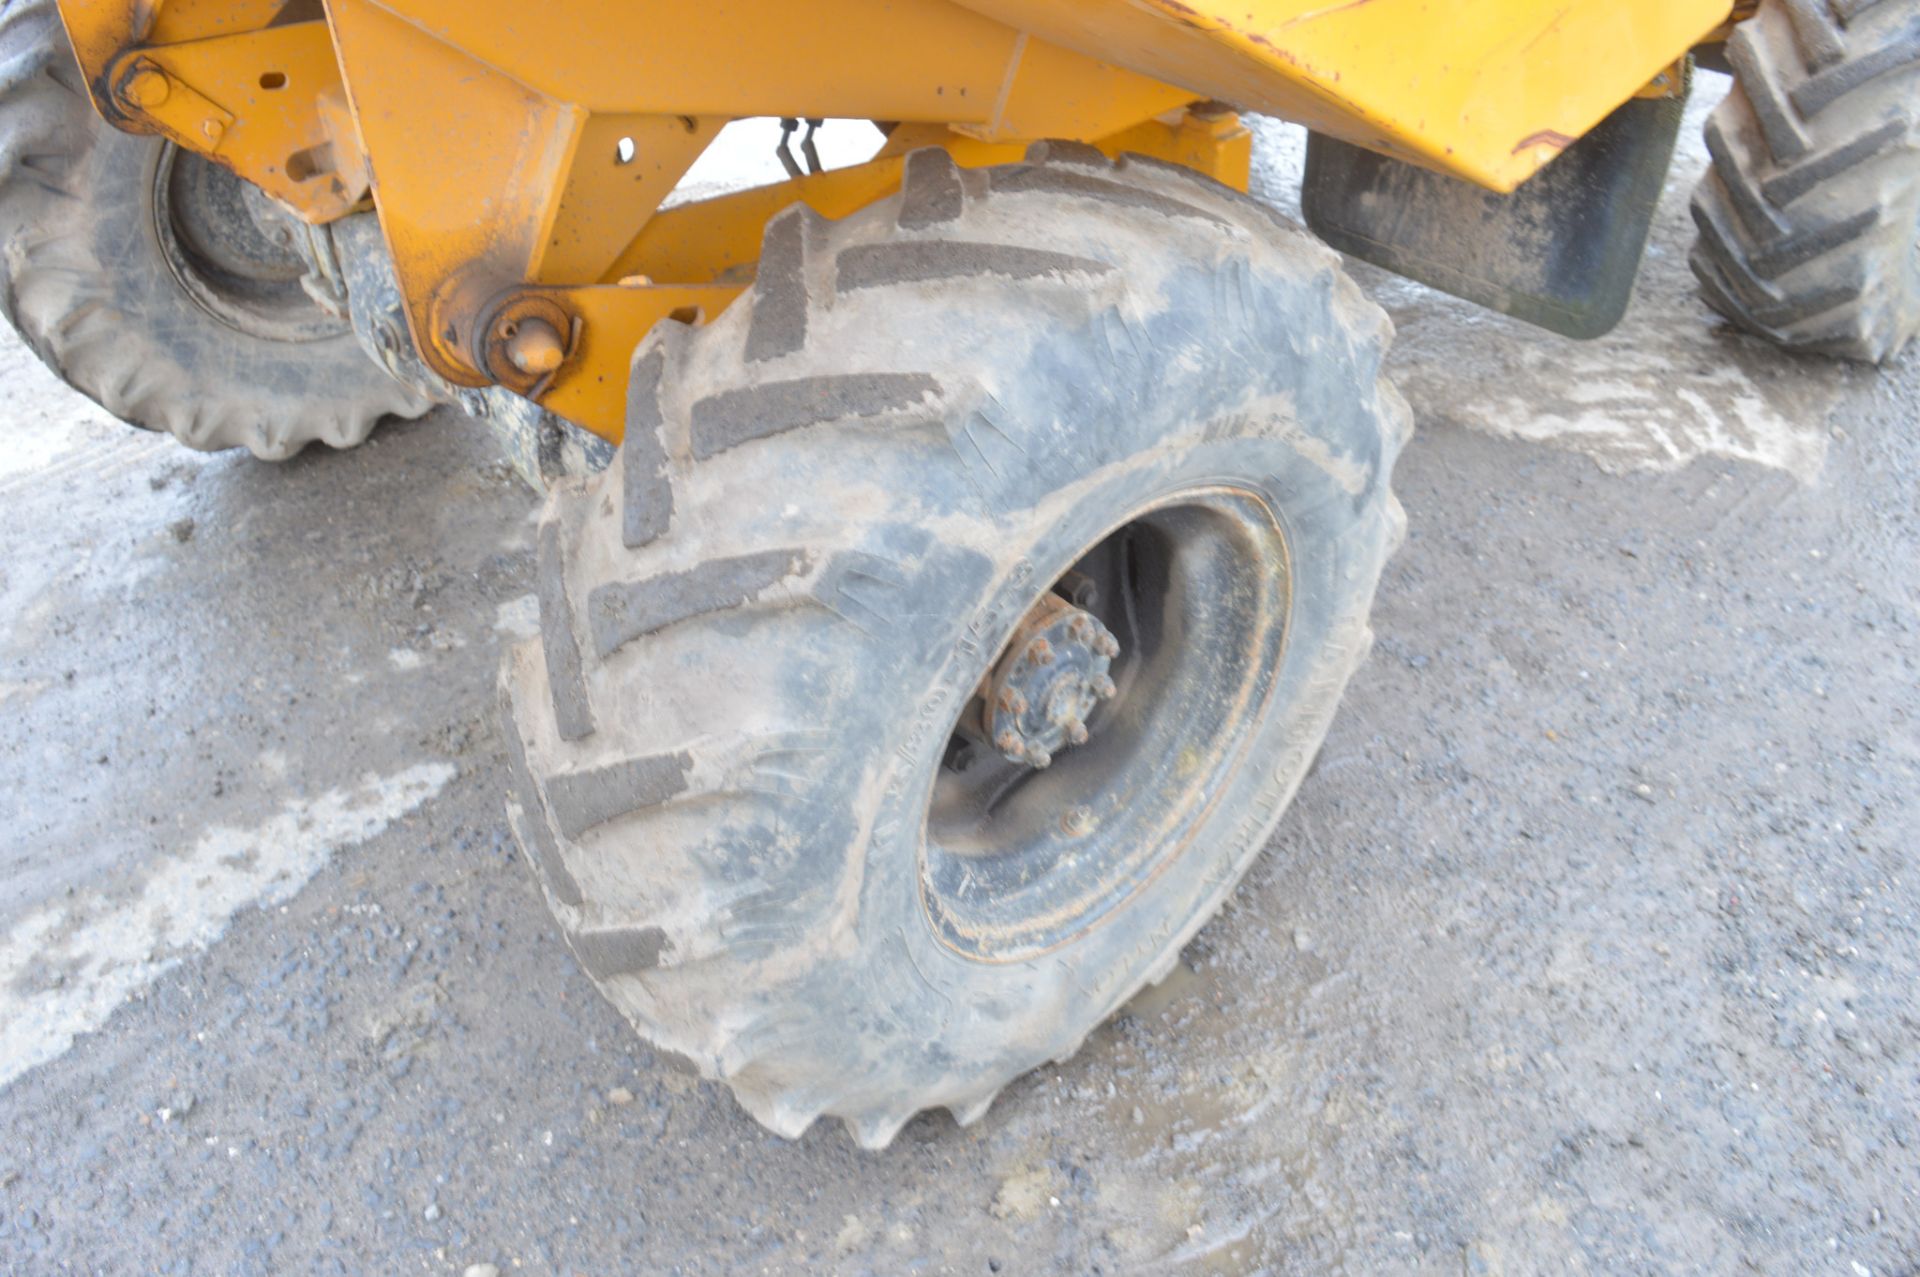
{"points": [[518, 155]]}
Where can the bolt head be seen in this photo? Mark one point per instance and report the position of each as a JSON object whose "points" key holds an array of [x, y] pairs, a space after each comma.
{"points": [[535, 348], [1077, 732], [147, 87], [1010, 745], [1104, 688], [1038, 756]]}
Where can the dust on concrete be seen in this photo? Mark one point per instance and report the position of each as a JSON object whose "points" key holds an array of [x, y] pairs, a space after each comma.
{"points": [[1589, 944]]}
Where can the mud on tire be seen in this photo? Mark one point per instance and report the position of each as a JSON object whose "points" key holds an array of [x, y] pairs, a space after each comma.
{"points": [[833, 504], [87, 281], [1810, 216]]}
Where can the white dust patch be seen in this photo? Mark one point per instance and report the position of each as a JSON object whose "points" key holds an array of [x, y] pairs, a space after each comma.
{"points": [[518, 618], [29, 451], [48, 427], [1633, 408], [64, 969], [405, 658], [10, 690]]}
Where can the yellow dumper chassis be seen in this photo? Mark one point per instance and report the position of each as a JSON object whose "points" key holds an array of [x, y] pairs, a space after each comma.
{"points": [[518, 156]]}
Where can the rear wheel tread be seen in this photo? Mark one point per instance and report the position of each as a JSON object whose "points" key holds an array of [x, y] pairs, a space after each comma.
{"points": [[1812, 205]]}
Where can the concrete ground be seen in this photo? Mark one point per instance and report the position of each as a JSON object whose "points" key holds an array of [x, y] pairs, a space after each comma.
{"points": [[1590, 946]]}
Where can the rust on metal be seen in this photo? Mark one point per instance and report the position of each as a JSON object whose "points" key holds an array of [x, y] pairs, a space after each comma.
{"points": [[1038, 697], [1546, 137], [527, 338]]}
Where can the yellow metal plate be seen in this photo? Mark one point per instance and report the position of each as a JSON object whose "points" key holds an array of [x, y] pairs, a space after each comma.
{"points": [[252, 102], [1488, 90]]}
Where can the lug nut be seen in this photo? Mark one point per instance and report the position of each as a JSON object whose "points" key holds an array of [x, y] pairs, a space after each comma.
{"points": [[1052, 670]]}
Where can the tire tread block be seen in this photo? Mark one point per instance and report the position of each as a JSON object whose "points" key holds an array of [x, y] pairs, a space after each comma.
{"points": [[930, 190], [734, 417], [607, 952], [1050, 180], [623, 611], [780, 300], [646, 490], [572, 715], [583, 800], [925, 261], [538, 831]]}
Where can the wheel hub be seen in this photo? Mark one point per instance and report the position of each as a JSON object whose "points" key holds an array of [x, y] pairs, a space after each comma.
{"points": [[1039, 698], [238, 255]]}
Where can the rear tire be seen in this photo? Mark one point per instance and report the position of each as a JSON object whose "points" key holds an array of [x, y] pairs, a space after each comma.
{"points": [[1810, 217], [738, 774], [158, 285]]}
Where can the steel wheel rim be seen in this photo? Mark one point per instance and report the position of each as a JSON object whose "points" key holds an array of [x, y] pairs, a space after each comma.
{"points": [[233, 255], [1199, 593]]}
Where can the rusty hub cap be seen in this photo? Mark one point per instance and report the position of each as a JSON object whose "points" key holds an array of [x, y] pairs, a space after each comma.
{"points": [[1039, 698]]}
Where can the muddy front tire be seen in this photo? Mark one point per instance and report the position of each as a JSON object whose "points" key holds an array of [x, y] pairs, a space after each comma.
{"points": [[745, 777], [1810, 216], [158, 285]]}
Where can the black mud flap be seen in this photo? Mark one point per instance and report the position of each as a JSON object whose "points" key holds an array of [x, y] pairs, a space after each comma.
{"points": [[1560, 252]]}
